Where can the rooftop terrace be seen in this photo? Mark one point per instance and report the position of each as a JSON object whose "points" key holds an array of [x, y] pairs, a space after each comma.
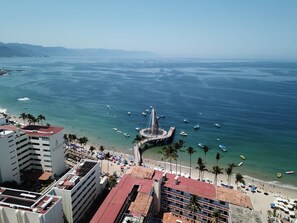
{"points": [[70, 179], [26, 200], [38, 130]]}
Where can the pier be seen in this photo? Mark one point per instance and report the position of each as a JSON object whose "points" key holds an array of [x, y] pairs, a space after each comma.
{"points": [[152, 134]]}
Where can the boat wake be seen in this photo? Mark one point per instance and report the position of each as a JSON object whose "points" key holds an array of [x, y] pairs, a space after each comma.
{"points": [[24, 99]]}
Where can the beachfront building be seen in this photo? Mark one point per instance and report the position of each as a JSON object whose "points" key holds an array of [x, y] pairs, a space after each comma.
{"points": [[3, 120], [78, 188], [18, 206], [144, 192], [39, 148]]}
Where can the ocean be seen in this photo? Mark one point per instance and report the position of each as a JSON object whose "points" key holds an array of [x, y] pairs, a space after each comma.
{"points": [[255, 102]]}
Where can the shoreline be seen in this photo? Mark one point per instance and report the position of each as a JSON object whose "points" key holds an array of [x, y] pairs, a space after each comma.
{"points": [[274, 186]]}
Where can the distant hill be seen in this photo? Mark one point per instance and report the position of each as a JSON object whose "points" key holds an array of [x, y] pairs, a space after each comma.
{"points": [[27, 50]]}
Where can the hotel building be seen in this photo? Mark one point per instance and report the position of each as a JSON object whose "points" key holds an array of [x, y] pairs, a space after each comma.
{"points": [[144, 192], [30, 148], [78, 189], [17, 206]]}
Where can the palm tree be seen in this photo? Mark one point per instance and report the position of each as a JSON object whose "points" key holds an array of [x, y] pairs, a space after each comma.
{"points": [[112, 181], [190, 150], [40, 118], [229, 171], [216, 216], [163, 153], [23, 116], [178, 145], [239, 179], [205, 149], [107, 156], [194, 204], [218, 157], [216, 170], [92, 148], [101, 150], [181, 151], [170, 153], [31, 119], [83, 140], [201, 167]]}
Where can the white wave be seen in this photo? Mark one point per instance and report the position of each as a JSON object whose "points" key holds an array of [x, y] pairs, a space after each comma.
{"points": [[3, 110], [24, 99]]}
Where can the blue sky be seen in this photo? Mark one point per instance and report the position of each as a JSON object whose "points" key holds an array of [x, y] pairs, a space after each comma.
{"points": [[188, 28]]}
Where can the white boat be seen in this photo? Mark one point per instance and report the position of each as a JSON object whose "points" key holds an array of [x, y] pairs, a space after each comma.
{"points": [[126, 135], [186, 121], [119, 131], [137, 128], [144, 113], [197, 127], [290, 172], [223, 148], [217, 125], [115, 129], [240, 163], [148, 111], [129, 113], [183, 133], [200, 145]]}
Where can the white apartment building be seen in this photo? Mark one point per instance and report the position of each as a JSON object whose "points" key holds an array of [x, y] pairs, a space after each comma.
{"points": [[18, 206], [32, 147], [78, 189]]}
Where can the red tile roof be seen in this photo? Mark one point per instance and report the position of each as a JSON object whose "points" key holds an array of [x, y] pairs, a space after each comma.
{"points": [[9, 127], [42, 131], [191, 186], [113, 203]]}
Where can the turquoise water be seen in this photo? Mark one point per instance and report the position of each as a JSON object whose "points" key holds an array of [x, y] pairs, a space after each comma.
{"points": [[254, 102]]}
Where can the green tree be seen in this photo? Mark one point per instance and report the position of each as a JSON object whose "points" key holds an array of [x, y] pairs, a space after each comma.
{"points": [[218, 157], [171, 154], [216, 216], [40, 118], [107, 156], [239, 179], [229, 171], [201, 167], [205, 149], [216, 170], [23, 116], [194, 205], [190, 150], [178, 145], [83, 140], [112, 181]]}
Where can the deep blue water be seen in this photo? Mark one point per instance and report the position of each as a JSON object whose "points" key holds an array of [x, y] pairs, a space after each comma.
{"points": [[255, 103]]}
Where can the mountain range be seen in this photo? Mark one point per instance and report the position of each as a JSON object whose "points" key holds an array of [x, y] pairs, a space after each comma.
{"points": [[27, 50]]}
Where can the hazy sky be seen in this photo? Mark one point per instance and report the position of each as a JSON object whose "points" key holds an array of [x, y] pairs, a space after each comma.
{"points": [[184, 28]]}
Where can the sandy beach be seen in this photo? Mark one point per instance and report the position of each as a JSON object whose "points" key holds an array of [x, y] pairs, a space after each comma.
{"points": [[261, 202]]}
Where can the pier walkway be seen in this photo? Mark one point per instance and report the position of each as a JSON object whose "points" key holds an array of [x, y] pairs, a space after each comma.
{"points": [[137, 146]]}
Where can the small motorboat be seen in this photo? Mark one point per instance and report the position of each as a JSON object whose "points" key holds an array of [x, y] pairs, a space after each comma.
{"points": [[240, 164], [126, 135], [242, 157], [115, 129], [137, 128], [223, 148], [279, 175], [129, 113], [144, 113], [217, 125], [186, 121], [197, 127], [290, 172], [200, 145], [182, 133], [148, 111]]}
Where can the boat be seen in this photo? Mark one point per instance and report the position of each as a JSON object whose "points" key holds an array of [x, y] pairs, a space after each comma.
{"points": [[126, 135], [217, 125], [223, 148], [183, 133], [242, 157], [137, 128], [186, 121], [119, 131], [290, 172], [240, 163], [148, 111], [144, 113], [200, 145], [129, 113], [197, 127], [115, 129], [162, 116], [279, 175]]}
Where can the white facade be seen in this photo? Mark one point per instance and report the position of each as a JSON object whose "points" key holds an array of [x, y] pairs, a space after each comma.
{"points": [[41, 209], [25, 149], [9, 169], [78, 189], [3, 120]]}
